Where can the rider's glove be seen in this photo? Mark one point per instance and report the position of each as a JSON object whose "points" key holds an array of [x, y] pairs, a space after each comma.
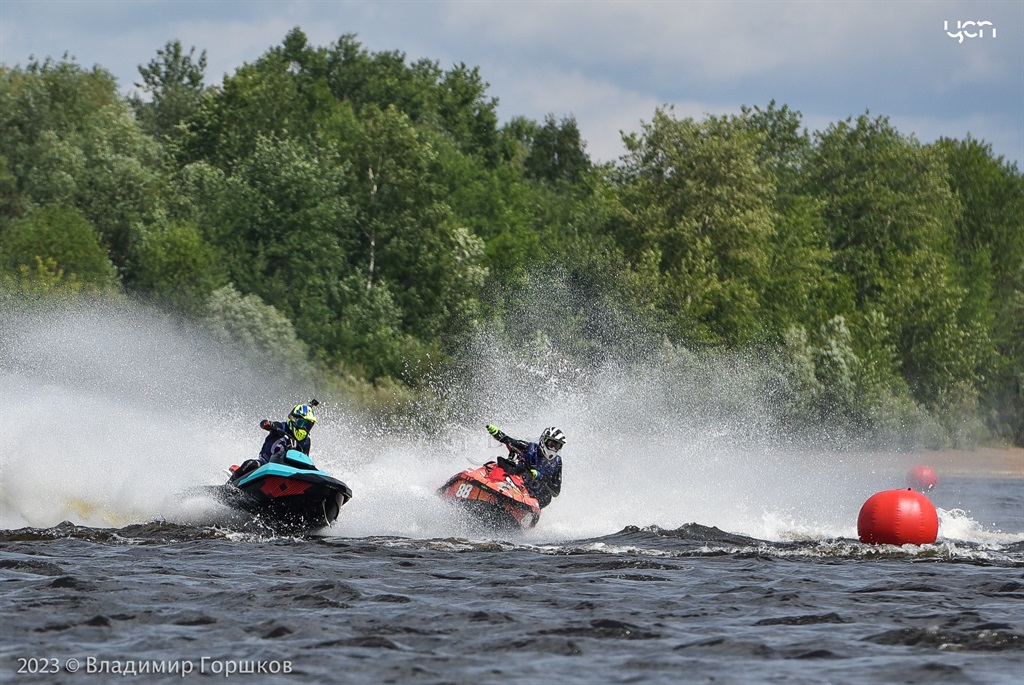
{"points": [[265, 425], [493, 430]]}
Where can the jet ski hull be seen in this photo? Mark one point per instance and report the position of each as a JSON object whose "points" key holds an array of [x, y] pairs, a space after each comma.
{"points": [[492, 497], [288, 493]]}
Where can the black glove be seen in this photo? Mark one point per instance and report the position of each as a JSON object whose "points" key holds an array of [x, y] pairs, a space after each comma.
{"points": [[266, 425]]}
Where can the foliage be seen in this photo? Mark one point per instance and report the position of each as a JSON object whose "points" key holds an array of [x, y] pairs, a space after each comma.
{"points": [[701, 211], [70, 139], [45, 280], [173, 263], [890, 216], [990, 254], [360, 217], [258, 331], [59, 240], [174, 83]]}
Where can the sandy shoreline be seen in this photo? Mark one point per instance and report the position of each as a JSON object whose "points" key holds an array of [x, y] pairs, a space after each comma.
{"points": [[981, 462]]}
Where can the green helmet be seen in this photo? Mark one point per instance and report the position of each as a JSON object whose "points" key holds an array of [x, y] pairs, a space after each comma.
{"points": [[301, 421]]}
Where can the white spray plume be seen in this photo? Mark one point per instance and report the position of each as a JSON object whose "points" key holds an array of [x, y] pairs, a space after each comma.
{"points": [[110, 411]]}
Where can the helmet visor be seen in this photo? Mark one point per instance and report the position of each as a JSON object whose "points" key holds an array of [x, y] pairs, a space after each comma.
{"points": [[302, 424], [553, 445]]}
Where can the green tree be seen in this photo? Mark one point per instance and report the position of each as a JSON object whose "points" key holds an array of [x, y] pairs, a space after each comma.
{"points": [[70, 139], [556, 151], [284, 94], [785, 143], [47, 279], [802, 289], [257, 330], [174, 82], [175, 265], [890, 216], [409, 235], [61, 239], [11, 200], [467, 114], [990, 255], [701, 211], [284, 227]]}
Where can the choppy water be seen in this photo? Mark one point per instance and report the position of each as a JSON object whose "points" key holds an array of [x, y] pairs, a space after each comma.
{"points": [[686, 546], [693, 604]]}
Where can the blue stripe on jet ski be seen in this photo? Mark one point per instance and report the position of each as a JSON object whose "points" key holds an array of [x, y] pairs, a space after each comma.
{"points": [[278, 470]]}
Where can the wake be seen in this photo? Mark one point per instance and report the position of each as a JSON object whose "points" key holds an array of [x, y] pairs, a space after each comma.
{"points": [[112, 412]]}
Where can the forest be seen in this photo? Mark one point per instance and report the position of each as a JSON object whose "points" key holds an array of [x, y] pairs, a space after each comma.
{"points": [[350, 219]]}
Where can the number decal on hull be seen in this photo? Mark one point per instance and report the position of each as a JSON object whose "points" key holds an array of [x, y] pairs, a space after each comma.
{"points": [[464, 491]]}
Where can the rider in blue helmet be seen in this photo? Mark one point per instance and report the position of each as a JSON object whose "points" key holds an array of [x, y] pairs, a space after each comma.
{"points": [[538, 462]]}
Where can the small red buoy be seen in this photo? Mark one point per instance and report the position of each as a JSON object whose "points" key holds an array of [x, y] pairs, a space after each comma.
{"points": [[898, 517], [921, 478]]}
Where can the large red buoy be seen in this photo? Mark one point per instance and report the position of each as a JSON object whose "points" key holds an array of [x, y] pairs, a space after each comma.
{"points": [[921, 478], [898, 517]]}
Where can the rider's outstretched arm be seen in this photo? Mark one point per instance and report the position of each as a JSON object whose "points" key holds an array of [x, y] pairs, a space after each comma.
{"points": [[515, 446]]}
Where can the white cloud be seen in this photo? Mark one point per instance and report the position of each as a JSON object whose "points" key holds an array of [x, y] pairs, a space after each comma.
{"points": [[601, 108], [608, 63]]}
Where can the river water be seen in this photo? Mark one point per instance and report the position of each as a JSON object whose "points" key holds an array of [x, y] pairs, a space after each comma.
{"points": [[644, 604], [686, 547]]}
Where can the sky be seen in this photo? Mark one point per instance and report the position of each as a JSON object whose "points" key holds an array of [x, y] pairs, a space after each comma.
{"points": [[609, 64]]}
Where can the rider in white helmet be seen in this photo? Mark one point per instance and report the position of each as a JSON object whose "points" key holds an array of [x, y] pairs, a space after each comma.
{"points": [[538, 462]]}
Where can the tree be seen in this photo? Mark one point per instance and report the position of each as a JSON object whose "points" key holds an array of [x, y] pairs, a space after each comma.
{"points": [[890, 217], [701, 212], [12, 202], [467, 114], [283, 226], [174, 82], [990, 255], [784, 141], [557, 152], [71, 140], [175, 265], [409, 236], [62, 240], [283, 94], [257, 330]]}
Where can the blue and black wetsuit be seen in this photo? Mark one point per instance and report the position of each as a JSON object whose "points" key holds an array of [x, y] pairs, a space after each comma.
{"points": [[279, 440], [548, 483]]}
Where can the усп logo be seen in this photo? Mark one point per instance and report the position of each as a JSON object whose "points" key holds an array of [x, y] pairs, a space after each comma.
{"points": [[963, 29]]}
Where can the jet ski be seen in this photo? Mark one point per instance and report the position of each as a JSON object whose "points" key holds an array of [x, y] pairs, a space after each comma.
{"points": [[494, 496], [286, 493]]}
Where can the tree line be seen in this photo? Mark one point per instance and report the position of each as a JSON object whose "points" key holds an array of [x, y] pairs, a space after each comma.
{"points": [[355, 216]]}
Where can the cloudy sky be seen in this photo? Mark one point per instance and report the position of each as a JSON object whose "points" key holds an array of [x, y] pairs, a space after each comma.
{"points": [[608, 63]]}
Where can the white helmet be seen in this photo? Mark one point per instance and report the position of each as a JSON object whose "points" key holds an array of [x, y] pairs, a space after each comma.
{"points": [[550, 442]]}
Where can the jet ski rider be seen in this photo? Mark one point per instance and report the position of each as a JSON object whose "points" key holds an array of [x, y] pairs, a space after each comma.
{"points": [[290, 434], [538, 462]]}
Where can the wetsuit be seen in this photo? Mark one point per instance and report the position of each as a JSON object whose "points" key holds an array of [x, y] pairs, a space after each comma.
{"points": [[548, 483], [280, 439]]}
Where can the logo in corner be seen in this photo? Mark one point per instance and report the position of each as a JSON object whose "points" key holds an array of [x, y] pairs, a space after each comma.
{"points": [[969, 29]]}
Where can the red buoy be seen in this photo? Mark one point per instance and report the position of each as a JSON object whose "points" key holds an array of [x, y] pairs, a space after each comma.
{"points": [[898, 517], [921, 478]]}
